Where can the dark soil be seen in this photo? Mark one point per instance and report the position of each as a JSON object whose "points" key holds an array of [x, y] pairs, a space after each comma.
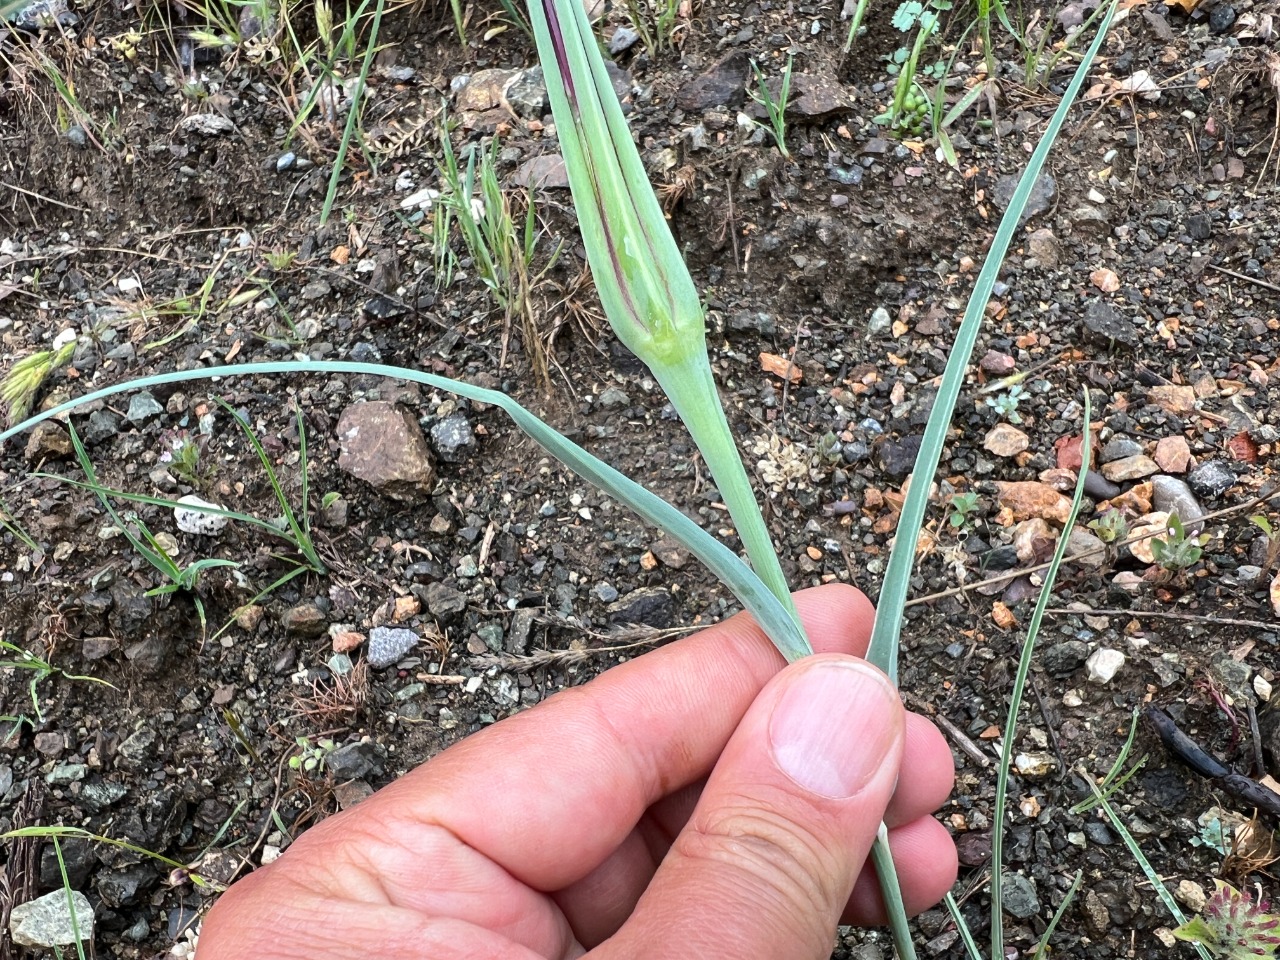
{"points": [[854, 259]]}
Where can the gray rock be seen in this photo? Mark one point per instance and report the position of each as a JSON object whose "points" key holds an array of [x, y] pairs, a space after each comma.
{"points": [[452, 437], [623, 39], [123, 888], [1221, 17], [518, 632], [1063, 659], [613, 398], [143, 407], [1020, 898], [48, 921], [383, 445], [1094, 551], [651, 606], [444, 601], [723, 85], [388, 645], [1106, 322], [1199, 226], [136, 748], [131, 609], [1171, 495], [898, 457], [880, 322], [99, 796], [354, 761], [605, 592], [285, 161], [1099, 487], [1043, 192], [545, 172], [65, 773], [103, 425], [1211, 479], [43, 15], [747, 321], [526, 92], [1118, 448]]}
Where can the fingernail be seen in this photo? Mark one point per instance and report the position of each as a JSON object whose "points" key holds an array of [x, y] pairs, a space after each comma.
{"points": [[834, 726]]}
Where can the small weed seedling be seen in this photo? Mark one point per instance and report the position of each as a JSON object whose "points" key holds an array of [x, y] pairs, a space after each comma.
{"points": [[503, 253], [775, 107], [1111, 527], [20, 385], [185, 462], [310, 758], [1234, 926], [656, 21], [961, 509], [40, 670], [1006, 404], [159, 554], [909, 108], [1176, 550], [1273, 542]]}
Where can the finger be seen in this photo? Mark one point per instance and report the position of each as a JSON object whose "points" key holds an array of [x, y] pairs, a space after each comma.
{"points": [[928, 773], [768, 859], [612, 748], [597, 905], [925, 856]]}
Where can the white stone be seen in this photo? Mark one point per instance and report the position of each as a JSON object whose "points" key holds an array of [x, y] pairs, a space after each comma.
{"points": [[46, 921], [1262, 688], [421, 199], [1103, 664], [197, 521]]}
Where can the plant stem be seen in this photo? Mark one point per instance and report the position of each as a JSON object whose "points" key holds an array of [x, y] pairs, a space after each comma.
{"points": [[692, 390]]}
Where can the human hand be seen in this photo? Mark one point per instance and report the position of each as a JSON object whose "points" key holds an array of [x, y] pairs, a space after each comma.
{"points": [[692, 802]]}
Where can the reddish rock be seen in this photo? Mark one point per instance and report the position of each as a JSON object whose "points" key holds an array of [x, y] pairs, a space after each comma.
{"points": [[1180, 401], [1173, 454], [997, 364], [383, 445], [1025, 499]]}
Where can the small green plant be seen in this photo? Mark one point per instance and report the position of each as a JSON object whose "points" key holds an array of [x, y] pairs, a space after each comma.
{"points": [[1176, 550], [40, 670], [909, 107], [1234, 926], [961, 509], [1006, 404], [656, 21], [311, 757], [160, 554], [280, 260], [1111, 527], [20, 385], [775, 107], [503, 253], [185, 462]]}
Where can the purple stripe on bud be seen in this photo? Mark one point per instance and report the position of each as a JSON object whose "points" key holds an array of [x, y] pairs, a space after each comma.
{"points": [[562, 55]]}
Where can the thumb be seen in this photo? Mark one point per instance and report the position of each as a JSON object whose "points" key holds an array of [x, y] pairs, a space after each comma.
{"points": [[768, 859]]}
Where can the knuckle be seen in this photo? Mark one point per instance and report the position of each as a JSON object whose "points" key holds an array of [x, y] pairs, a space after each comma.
{"points": [[768, 852]]}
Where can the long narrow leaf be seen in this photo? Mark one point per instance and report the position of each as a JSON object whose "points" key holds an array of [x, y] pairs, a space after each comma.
{"points": [[883, 651], [1015, 695], [768, 611]]}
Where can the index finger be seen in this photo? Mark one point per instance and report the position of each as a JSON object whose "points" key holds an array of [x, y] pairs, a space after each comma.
{"points": [[573, 775]]}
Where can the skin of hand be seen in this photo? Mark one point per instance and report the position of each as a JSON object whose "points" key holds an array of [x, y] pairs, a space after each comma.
{"points": [[700, 800]]}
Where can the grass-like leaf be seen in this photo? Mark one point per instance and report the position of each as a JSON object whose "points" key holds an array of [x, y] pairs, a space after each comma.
{"points": [[775, 619], [890, 607]]}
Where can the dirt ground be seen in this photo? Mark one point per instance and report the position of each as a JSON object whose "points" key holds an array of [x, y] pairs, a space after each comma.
{"points": [[165, 209]]}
